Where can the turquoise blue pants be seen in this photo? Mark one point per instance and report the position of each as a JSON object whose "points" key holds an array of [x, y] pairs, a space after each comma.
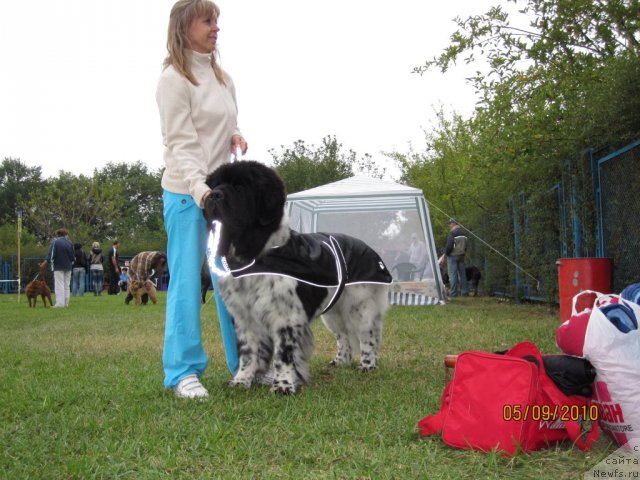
{"points": [[183, 352]]}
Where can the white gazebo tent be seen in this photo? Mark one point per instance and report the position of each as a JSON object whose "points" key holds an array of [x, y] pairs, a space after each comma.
{"points": [[386, 216]]}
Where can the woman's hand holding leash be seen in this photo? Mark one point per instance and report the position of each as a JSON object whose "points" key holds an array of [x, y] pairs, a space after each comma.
{"points": [[238, 147]]}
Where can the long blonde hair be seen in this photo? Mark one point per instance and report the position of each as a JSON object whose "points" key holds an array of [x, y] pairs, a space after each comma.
{"points": [[183, 13]]}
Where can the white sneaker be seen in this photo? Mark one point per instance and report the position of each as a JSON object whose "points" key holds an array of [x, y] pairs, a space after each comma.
{"points": [[190, 387]]}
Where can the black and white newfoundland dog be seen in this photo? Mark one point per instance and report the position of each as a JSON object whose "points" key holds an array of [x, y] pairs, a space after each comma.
{"points": [[274, 281]]}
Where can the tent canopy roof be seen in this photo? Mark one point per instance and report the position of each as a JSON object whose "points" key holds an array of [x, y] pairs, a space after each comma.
{"points": [[356, 192]]}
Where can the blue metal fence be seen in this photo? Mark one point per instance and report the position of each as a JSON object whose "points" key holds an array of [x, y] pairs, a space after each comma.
{"points": [[30, 269], [616, 185], [592, 211]]}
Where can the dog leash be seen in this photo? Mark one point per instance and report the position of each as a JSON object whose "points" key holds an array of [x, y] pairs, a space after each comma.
{"points": [[236, 155], [212, 250], [227, 330]]}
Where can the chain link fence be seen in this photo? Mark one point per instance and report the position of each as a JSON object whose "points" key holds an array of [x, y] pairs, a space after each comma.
{"points": [[617, 193], [593, 211]]}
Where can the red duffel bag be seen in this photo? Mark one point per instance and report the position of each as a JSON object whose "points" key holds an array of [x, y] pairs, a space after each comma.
{"points": [[508, 403]]}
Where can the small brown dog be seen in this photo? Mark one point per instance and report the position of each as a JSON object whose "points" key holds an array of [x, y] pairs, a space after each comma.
{"points": [[138, 290], [38, 287]]}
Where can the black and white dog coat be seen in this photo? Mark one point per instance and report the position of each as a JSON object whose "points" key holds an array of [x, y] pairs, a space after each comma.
{"points": [[323, 260]]}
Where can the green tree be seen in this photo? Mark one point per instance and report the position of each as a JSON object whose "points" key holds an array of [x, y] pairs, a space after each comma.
{"points": [[451, 172], [559, 31], [137, 219], [17, 183], [121, 201], [29, 245], [568, 81], [73, 203], [303, 167]]}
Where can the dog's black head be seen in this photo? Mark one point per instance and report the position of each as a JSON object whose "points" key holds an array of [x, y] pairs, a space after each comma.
{"points": [[248, 198]]}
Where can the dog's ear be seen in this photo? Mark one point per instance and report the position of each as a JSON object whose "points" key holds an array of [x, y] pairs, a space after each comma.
{"points": [[272, 211], [272, 197], [267, 221]]}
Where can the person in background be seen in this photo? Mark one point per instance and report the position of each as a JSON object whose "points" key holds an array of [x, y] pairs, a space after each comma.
{"points": [[123, 280], [78, 275], [454, 250], [198, 117], [61, 258], [114, 268], [417, 256], [96, 269]]}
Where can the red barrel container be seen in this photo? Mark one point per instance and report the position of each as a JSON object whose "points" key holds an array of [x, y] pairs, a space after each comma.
{"points": [[578, 274]]}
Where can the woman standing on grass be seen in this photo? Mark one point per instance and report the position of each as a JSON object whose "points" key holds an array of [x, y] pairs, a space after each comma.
{"points": [[198, 116], [96, 269]]}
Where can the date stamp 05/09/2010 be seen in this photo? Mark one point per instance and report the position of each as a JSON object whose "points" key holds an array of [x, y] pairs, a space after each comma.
{"points": [[547, 413]]}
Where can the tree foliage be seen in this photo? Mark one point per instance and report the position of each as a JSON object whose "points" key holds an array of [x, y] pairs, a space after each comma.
{"points": [[138, 214], [559, 32], [29, 244], [568, 81], [122, 201], [17, 182], [303, 167], [65, 201]]}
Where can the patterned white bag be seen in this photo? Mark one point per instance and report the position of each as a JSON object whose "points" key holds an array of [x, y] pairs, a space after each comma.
{"points": [[612, 345]]}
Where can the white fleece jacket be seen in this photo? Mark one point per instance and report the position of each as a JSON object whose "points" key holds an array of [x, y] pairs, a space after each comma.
{"points": [[197, 124]]}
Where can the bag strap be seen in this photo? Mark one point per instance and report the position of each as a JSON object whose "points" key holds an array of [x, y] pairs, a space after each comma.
{"points": [[553, 393], [574, 429], [607, 299], [432, 424], [526, 349], [575, 434], [582, 293]]}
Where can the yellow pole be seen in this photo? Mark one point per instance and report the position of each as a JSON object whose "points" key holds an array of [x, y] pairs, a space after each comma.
{"points": [[19, 234]]}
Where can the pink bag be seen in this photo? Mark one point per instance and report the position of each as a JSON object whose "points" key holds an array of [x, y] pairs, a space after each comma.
{"points": [[608, 336]]}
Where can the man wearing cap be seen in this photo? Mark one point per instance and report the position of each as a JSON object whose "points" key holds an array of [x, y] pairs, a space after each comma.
{"points": [[455, 248]]}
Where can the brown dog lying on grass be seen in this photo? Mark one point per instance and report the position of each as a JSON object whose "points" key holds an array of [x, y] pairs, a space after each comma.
{"points": [[38, 287]]}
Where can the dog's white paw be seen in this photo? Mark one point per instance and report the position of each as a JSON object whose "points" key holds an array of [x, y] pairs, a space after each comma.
{"points": [[284, 387], [336, 362], [367, 367], [240, 382]]}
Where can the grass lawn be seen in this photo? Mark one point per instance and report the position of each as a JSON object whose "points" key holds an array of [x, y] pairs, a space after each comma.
{"points": [[82, 397]]}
